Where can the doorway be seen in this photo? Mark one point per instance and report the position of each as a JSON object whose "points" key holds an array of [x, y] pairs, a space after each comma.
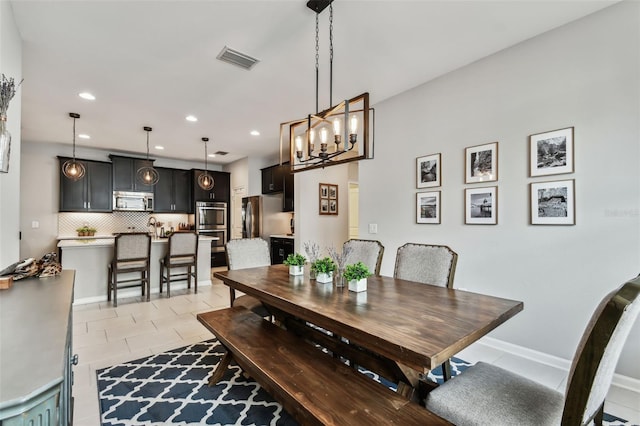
{"points": [[354, 197]]}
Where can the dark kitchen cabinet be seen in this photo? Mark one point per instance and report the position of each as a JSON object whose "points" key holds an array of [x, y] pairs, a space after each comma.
{"points": [[280, 249], [279, 179], [272, 179], [287, 198], [125, 170], [92, 193], [221, 190], [172, 193]]}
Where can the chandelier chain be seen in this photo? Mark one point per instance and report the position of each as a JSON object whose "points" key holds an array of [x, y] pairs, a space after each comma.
{"points": [[317, 57], [331, 54], [147, 145], [74, 138]]}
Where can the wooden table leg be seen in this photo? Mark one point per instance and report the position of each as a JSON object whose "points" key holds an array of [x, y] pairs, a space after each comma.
{"points": [[218, 373]]}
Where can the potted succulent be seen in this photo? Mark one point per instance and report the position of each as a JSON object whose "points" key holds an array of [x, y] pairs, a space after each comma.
{"points": [[356, 274], [295, 261], [323, 269], [86, 231]]}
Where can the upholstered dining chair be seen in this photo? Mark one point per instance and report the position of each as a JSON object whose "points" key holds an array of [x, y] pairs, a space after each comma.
{"points": [[245, 253], [182, 255], [428, 264], [486, 394], [131, 254], [368, 252]]}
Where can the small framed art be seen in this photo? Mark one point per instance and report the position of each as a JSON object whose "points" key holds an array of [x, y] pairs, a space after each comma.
{"points": [[553, 203], [481, 206], [428, 207], [328, 199], [551, 153], [481, 163], [428, 171]]}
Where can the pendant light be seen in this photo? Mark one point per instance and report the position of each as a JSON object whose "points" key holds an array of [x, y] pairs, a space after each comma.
{"points": [[147, 175], [73, 169], [205, 180]]}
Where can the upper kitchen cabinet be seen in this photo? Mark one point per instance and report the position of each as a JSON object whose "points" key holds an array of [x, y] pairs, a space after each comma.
{"points": [[279, 179], [92, 193], [287, 198], [221, 190], [124, 173], [272, 179], [172, 193]]}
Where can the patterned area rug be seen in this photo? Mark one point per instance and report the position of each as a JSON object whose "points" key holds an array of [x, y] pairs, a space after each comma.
{"points": [[171, 388]]}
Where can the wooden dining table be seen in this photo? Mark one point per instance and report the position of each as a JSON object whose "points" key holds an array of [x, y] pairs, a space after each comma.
{"points": [[400, 328]]}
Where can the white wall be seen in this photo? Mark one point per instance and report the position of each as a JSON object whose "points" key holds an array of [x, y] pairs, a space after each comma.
{"points": [[11, 66], [40, 181], [584, 74], [325, 230]]}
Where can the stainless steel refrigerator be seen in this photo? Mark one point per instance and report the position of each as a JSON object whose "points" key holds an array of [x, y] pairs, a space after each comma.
{"points": [[251, 217]]}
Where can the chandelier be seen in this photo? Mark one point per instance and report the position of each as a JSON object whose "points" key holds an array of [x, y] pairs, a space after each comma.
{"points": [[205, 180], [73, 169], [147, 175], [336, 135]]}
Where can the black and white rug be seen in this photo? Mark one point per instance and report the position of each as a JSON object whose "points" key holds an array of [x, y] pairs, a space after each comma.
{"points": [[172, 388]]}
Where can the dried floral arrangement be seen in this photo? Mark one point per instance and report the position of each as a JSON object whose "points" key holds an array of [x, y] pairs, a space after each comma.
{"points": [[7, 92], [339, 258], [313, 251]]}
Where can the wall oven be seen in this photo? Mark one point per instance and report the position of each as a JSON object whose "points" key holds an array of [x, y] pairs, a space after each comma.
{"points": [[211, 221]]}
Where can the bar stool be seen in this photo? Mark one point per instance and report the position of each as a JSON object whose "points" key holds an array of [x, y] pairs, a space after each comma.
{"points": [[131, 253], [182, 253]]}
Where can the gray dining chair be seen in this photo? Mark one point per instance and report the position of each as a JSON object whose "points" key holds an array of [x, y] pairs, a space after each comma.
{"points": [[131, 254], [427, 264], [247, 253], [181, 261], [486, 394], [368, 252]]}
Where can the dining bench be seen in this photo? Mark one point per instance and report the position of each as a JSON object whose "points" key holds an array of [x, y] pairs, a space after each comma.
{"points": [[315, 388]]}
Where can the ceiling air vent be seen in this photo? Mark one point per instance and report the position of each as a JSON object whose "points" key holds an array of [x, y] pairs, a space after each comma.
{"points": [[221, 153], [237, 58]]}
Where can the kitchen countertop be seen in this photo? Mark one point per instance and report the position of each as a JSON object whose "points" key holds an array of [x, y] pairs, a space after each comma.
{"points": [[104, 240], [291, 237]]}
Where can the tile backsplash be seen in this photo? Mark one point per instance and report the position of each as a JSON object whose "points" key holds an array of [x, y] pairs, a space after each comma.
{"points": [[109, 223]]}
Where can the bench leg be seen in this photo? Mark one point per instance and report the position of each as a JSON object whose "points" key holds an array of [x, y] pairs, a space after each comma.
{"points": [[221, 369]]}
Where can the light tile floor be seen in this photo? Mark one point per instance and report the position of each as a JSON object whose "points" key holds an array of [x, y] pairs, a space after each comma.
{"points": [[104, 336]]}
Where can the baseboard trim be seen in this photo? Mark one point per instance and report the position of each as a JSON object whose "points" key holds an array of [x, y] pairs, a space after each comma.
{"points": [[619, 380], [135, 292]]}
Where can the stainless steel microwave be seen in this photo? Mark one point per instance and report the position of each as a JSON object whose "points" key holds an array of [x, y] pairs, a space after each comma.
{"points": [[133, 201]]}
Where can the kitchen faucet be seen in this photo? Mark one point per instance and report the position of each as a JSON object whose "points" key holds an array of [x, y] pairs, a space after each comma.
{"points": [[152, 222]]}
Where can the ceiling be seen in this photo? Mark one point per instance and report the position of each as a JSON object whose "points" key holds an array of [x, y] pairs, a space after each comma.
{"points": [[151, 63]]}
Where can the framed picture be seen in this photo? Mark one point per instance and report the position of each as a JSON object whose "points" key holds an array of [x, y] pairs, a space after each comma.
{"points": [[551, 153], [553, 203], [428, 171], [481, 206], [481, 163], [328, 200], [428, 207]]}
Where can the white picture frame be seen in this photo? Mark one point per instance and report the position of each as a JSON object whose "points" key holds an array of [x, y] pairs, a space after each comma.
{"points": [[428, 171], [481, 163], [551, 153], [553, 203], [481, 206], [428, 207]]}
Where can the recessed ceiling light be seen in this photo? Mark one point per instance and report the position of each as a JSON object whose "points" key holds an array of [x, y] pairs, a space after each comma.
{"points": [[255, 133], [191, 118], [211, 155], [88, 96], [84, 136], [160, 147]]}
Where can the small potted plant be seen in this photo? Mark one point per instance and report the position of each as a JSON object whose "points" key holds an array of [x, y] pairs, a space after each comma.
{"points": [[91, 231], [356, 275], [323, 269], [295, 261]]}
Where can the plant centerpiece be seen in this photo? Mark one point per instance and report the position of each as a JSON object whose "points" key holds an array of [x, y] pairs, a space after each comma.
{"points": [[295, 261], [86, 231], [341, 260], [356, 274], [323, 269], [313, 253]]}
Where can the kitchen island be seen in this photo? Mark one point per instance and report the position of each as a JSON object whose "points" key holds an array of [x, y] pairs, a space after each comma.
{"points": [[90, 258]]}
